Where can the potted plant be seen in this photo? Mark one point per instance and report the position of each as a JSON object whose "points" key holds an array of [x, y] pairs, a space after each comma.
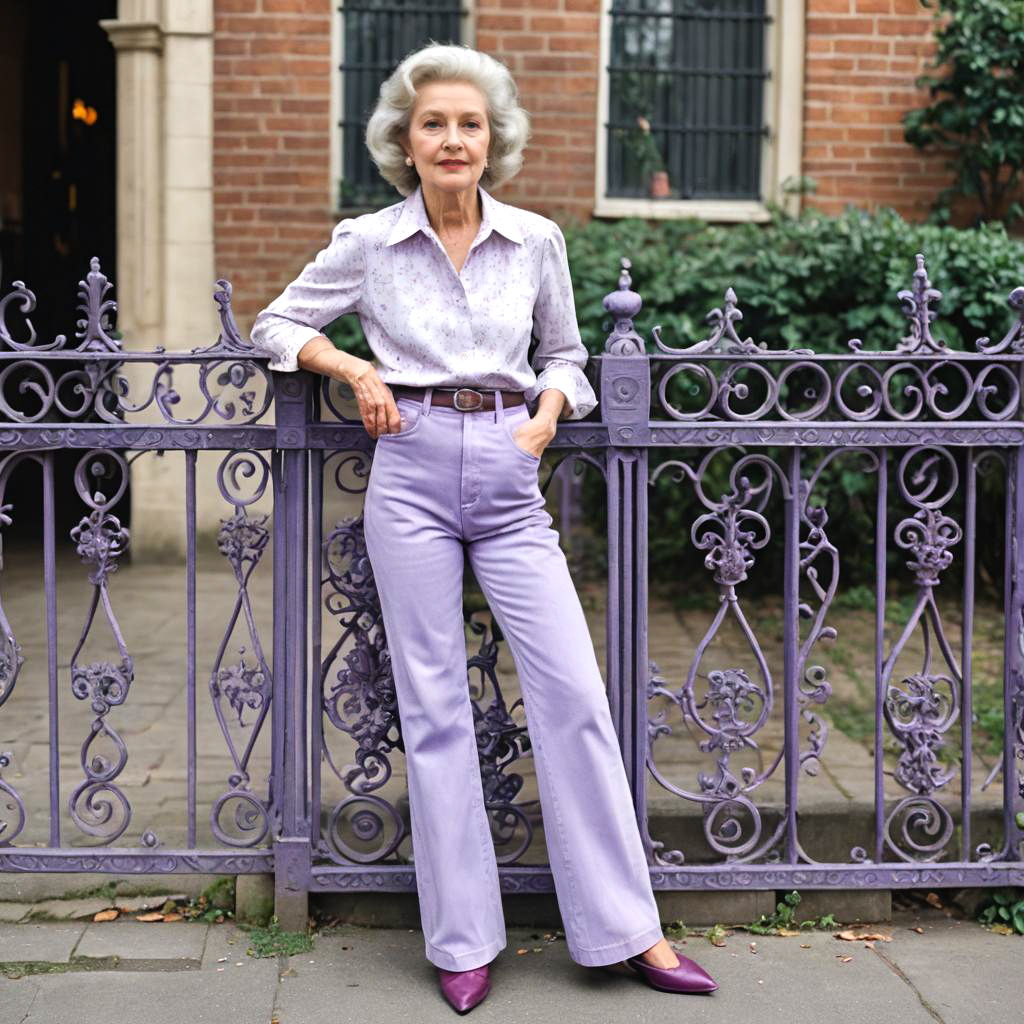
{"points": [[652, 162]]}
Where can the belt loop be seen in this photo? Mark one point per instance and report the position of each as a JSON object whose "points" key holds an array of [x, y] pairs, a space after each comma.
{"points": [[425, 407], [499, 409]]}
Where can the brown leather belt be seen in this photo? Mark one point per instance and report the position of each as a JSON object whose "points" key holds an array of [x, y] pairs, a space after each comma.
{"points": [[463, 399]]}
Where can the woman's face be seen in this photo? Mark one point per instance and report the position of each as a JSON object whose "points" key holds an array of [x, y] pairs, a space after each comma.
{"points": [[449, 135]]}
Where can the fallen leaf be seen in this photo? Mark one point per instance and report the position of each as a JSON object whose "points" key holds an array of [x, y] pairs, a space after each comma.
{"points": [[1002, 929], [156, 916], [106, 915], [174, 917], [918, 929], [805, 945], [853, 936], [753, 947], [788, 932], [933, 899], [538, 949], [518, 951], [845, 959]]}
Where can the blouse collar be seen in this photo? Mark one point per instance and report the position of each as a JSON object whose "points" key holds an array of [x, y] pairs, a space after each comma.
{"points": [[496, 217]]}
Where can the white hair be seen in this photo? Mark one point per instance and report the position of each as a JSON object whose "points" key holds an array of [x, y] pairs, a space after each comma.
{"points": [[436, 62]]}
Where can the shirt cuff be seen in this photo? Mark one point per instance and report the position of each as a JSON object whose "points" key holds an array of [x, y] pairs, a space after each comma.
{"points": [[572, 382], [286, 352]]}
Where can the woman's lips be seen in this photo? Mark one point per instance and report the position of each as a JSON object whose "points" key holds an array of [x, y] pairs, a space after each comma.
{"points": [[453, 163]]}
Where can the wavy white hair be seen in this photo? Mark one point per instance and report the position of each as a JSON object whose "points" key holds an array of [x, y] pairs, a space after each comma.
{"points": [[437, 62]]}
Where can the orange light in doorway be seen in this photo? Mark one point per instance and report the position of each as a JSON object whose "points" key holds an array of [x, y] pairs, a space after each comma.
{"points": [[80, 112]]}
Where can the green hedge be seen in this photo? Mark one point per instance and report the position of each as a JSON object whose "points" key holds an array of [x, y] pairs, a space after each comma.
{"points": [[809, 281], [812, 281]]}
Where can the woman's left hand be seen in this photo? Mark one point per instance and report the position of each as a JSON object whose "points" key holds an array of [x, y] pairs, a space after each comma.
{"points": [[535, 434]]}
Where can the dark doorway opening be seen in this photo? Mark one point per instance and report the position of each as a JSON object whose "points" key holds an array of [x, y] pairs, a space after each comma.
{"points": [[57, 194]]}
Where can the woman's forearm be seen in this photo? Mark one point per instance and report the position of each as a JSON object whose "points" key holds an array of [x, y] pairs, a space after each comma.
{"points": [[320, 355]]}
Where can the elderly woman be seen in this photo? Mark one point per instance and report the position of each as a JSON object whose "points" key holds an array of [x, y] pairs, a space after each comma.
{"points": [[449, 286]]}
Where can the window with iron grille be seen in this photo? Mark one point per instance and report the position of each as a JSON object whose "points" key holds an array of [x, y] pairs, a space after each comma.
{"points": [[686, 84], [376, 35]]}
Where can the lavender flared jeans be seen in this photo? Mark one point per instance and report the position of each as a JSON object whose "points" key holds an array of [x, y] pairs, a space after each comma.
{"points": [[452, 482]]}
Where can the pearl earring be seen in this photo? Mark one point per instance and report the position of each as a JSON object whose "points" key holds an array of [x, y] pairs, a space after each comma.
{"points": [[408, 160]]}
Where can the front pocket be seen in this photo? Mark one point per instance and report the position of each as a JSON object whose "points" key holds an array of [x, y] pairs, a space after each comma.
{"points": [[412, 412], [511, 424]]}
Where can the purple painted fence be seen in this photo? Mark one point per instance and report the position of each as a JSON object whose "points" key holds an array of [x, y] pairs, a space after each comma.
{"points": [[920, 420]]}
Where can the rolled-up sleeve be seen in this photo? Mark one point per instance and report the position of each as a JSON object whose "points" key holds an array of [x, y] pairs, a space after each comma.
{"points": [[560, 354], [328, 287]]}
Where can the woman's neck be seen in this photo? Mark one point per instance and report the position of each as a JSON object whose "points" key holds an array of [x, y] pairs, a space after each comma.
{"points": [[453, 215]]}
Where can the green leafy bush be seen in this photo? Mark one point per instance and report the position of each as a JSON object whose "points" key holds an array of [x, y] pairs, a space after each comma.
{"points": [[1005, 911], [976, 116], [812, 281]]}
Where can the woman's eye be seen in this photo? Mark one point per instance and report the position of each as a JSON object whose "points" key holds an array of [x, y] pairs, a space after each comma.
{"points": [[475, 124]]}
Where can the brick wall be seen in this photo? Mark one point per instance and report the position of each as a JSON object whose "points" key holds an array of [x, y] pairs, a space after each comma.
{"points": [[553, 55], [863, 57], [272, 131]]}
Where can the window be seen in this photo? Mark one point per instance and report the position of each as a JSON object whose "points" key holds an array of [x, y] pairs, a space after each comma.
{"points": [[701, 105], [372, 38]]}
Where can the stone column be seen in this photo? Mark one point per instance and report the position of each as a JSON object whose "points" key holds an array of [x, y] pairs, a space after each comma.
{"points": [[165, 277]]}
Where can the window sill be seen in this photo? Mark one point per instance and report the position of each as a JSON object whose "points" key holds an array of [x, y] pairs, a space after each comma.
{"points": [[704, 209]]}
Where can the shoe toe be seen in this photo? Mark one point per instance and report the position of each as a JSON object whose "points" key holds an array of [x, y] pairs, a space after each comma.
{"points": [[687, 976], [464, 989]]}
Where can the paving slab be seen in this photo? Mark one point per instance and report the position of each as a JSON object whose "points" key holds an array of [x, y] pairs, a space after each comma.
{"points": [[16, 999], [69, 910], [964, 973], [11, 912], [144, 940], [383, 975], [368, 975], [158, 997], [226, 940], [50, 942]]}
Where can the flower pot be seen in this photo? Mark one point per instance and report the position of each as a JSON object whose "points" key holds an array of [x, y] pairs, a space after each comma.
{"points": [[659, 185]]}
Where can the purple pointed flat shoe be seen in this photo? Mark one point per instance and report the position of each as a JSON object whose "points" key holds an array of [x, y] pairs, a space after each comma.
{"points": [[464, 989], [687, 976]]}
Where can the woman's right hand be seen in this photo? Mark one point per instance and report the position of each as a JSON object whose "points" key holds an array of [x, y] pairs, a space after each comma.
{"points": [[376, 403]]}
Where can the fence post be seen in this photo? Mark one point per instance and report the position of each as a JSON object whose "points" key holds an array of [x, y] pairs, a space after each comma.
{"points": [[293, 404], [625, 405]]}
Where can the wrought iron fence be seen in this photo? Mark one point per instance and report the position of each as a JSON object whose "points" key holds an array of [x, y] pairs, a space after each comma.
{"points": [[752, 433]]}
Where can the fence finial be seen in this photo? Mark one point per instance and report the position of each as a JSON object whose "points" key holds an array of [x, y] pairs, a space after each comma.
{"points": [[917, 309], [96, 309], [1014, 339], [624, 304]]}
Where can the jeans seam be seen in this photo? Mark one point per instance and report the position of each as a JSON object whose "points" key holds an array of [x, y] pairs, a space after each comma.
{"points": [[486, 842], [574, 899]]}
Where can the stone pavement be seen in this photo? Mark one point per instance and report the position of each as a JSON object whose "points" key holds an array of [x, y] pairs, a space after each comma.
{"points": [[952, 972]]}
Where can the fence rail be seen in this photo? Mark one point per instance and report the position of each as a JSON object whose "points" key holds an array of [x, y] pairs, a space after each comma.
{"points": [[751, 435]]}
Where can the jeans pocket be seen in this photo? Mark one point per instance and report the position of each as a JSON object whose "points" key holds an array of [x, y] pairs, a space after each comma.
{"points": [[411, 413], [512, 424]]}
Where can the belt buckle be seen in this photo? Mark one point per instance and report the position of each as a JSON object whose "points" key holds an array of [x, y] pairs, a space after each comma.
{"points": [[468, 391]]}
